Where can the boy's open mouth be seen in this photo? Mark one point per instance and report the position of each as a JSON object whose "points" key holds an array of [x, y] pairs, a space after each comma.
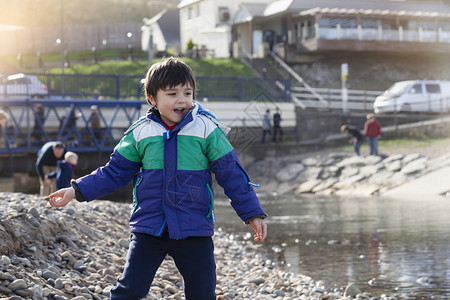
{"points": [[179, 111]]}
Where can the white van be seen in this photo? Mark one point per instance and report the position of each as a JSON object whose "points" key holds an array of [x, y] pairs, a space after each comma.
{"points": [[22, 85], [415, 95]]}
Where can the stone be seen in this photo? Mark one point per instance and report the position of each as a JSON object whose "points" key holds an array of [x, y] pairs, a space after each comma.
{"points": [[307, 186], [351, 290], [17, 284], [289, 172]]}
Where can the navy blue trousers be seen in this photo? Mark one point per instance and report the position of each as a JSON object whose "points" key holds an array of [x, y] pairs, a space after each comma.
{"points": [[194, 258]]}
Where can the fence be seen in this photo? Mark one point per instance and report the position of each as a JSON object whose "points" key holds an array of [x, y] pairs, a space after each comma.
{"points": [[130, 87], [357, 100]]}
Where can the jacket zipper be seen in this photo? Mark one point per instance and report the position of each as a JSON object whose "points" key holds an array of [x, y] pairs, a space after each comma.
{"points": [[246, 178], [136, 201], [211, 204]]}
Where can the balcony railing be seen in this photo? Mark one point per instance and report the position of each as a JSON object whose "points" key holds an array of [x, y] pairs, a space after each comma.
{"points": [[380, 34]]}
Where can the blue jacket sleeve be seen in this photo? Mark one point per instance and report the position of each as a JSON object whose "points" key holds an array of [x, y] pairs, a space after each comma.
{"points": [[233, 178], [117, 173]]}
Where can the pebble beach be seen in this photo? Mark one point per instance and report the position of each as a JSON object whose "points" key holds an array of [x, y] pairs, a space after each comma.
{"points": [[78, 252]]}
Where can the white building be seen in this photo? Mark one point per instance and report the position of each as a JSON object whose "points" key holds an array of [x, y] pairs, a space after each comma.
{"points": [[208, 23]]}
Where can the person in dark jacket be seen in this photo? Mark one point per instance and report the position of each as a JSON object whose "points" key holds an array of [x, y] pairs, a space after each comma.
{"points": [[170, 155], [64, 173], [46, 160], [357, 137], [277, 131]]}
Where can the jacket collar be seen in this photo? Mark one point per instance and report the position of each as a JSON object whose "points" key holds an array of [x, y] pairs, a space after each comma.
{"points": [[194, 112]]}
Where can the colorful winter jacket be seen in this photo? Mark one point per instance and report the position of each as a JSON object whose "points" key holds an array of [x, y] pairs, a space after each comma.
{"points": [[171, 172]]}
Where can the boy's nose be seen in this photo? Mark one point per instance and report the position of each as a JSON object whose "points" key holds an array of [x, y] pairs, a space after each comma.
{"points": [[182, 99]]}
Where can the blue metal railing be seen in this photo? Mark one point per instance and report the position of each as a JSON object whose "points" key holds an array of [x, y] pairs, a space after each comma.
{"points": [[32, 123], [82, 86]]}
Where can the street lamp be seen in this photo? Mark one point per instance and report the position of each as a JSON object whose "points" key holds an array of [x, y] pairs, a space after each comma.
{"points": [[61, 41], [130, 46]]}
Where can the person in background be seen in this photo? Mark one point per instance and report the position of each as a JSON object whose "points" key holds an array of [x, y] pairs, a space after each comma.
{"points": [[3, 119], [372, 131], [94, 122], [277, 131], [266, 126], [64, 173], [37, 131], [46, 162], [357, 137], [170, 155]]}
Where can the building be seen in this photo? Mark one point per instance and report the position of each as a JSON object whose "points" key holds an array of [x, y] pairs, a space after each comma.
{"points": [[295, 27], [161, 32], [208, 24]]}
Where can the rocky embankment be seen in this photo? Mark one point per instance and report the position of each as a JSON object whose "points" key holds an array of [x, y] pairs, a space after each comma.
{"points": [[78, 252], [341, 173]]}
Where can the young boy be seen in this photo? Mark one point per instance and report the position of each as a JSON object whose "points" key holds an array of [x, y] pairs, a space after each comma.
{"points": [[64, 173], [169, 155]]}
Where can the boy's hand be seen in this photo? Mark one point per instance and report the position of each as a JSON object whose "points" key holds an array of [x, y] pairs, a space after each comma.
{"points": [[260, 228], [61, 198]]}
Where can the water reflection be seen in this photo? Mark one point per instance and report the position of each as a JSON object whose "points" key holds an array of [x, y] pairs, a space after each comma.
{"points": [[386, 246]]}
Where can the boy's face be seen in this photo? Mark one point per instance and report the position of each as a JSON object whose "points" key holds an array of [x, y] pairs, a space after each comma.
{"points": [[173, 103]]}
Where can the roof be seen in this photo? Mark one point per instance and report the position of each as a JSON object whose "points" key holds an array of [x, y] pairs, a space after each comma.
{"points": [[377, 5], [169, 23], [248, 11], [170, 26], [185, 3], [371, 12]]}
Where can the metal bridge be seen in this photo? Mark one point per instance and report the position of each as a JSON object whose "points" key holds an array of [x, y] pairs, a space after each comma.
{"points": [[31, 123]]}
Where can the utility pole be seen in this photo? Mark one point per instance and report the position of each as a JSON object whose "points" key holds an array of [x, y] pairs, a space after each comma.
{"points": [[344, 92]]}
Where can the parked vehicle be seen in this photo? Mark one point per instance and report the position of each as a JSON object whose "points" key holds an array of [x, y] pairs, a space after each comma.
{"points": [[415, 96], [22, 85]]}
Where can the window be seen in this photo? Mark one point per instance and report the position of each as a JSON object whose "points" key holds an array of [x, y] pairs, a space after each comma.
{"points": [[224, 14], [416, 89], [193, 11], [433, 88]]}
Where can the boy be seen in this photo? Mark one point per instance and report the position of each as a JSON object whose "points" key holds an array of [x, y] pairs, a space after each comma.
{"points": [[64, 173], [169, 155]]}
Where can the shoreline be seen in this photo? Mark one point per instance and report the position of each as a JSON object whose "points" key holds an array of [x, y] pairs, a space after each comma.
{"points": [[79, 251]]}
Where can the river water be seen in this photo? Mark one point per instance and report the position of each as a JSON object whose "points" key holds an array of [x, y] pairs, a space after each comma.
{"points": [[385, 246]]}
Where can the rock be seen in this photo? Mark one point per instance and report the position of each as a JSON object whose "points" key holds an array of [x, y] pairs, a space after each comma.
{"points": [[5, 276], [352, 290], [290, 172], [324, 185], [308, 186], [18, 284], [49, 274], [4, 290], [394, 166], [25, 293], [67, 241]]}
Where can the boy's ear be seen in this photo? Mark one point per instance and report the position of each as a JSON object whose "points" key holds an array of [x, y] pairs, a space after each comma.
{"points": [[151, 99]]}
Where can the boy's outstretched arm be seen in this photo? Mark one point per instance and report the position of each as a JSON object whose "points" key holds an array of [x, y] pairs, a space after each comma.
{"points": [[62, 197], [260, 228]]}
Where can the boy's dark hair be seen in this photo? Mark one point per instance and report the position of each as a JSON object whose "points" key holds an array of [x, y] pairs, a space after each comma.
{"points": [[168, 74]]}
